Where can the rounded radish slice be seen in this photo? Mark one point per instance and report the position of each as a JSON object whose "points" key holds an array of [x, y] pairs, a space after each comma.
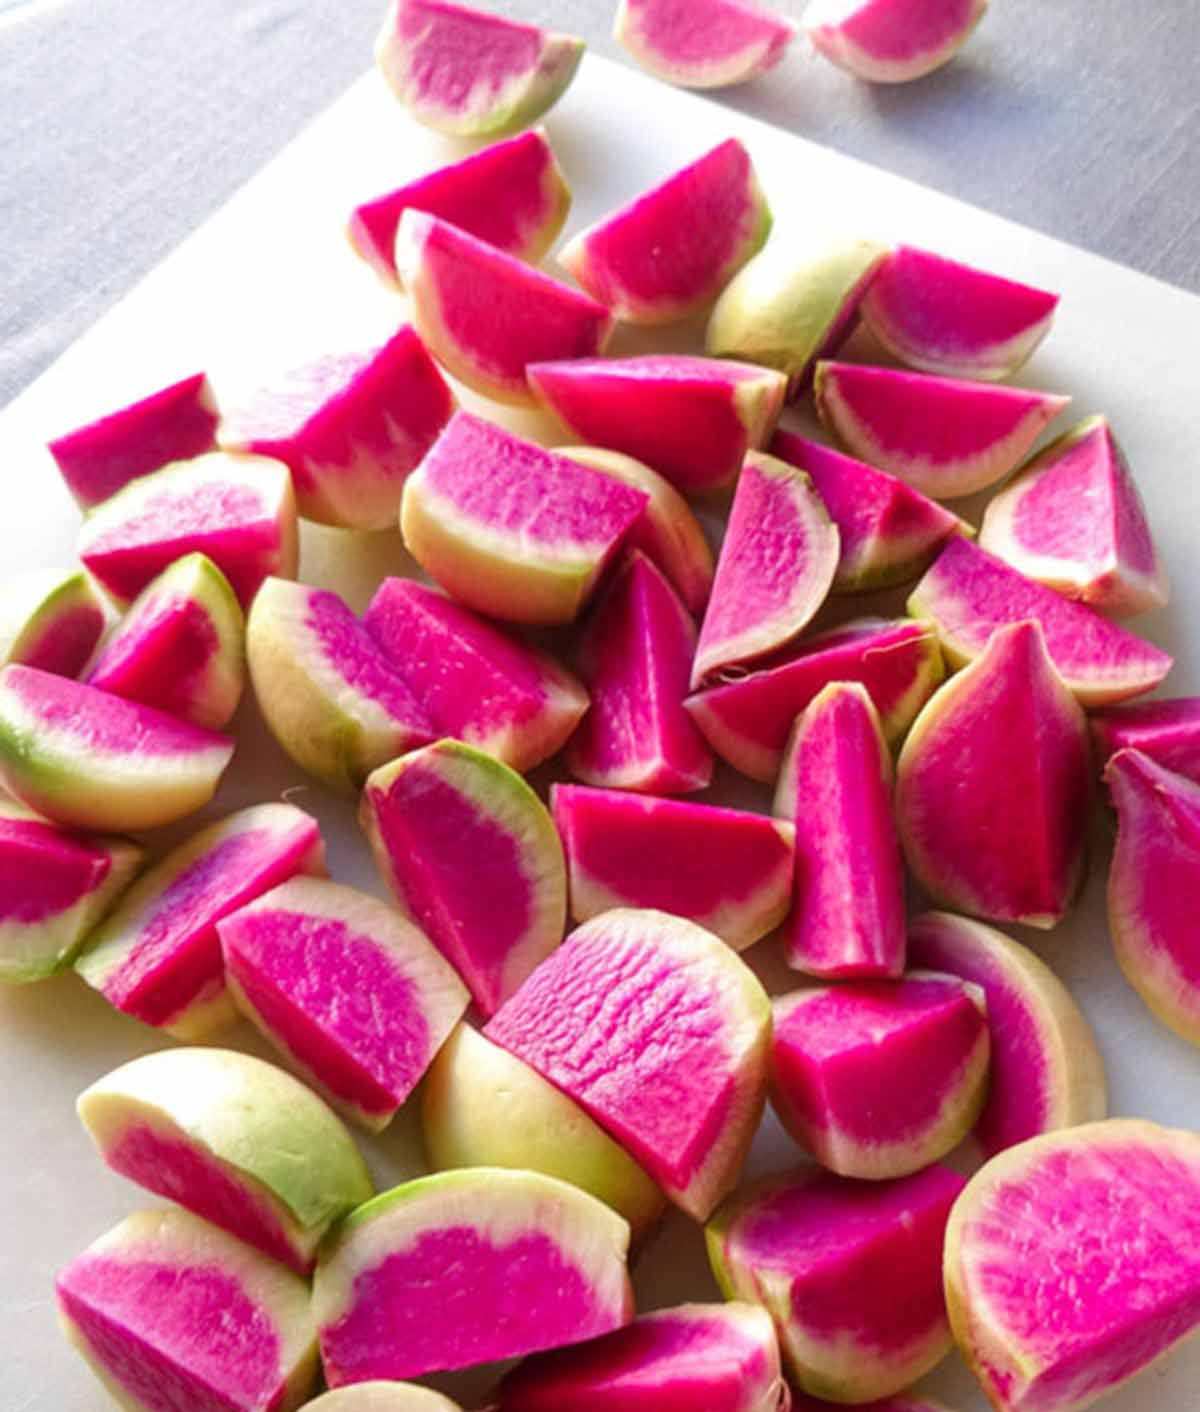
{"points": [[1074, 521], [775, 569], [703, 43], [1073, 1262], [468, 73], [891, 41], [51, 620], [943, 317]]}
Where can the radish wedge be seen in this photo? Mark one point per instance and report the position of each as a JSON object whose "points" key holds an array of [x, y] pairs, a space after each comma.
{"points": [[703, 43]]}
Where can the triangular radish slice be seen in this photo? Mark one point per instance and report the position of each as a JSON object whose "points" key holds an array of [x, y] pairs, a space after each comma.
{"points": [[1073, 1262], [671, 251], [477, 683], [593, 1018], [486, 315], [969, 593], [887, 531], [703, 43], [55, 885], [690, 419], [775, 569], [51, 620], [1073, 520], [349, 427], [891, 41], [668, 532], [90, 760], [468, 73], [945, 437], [943, 317], [330, 695], [238, 510], [747, 718], [959, 781], [1167, 731], [181, 647], [634, 655], [510, 529], [472, 856], [157, 956], [725, 869], [1154, 887], [512, 194], [173, 424], [169, 1311], [1046, 1070]]}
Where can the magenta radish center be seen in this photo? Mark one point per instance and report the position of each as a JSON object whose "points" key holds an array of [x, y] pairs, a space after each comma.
{"points": [[158, 661], [450, 53], [143, 1317], [336, 1001], [353, 655], [670, 29], [43, 874], [66, 642], [917, 1038], [643, 1050], [460, 873], [492, 1300], [898, 33], [174, 1168]]}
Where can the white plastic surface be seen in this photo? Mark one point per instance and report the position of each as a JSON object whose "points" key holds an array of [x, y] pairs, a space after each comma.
{"points": [[270, 280]]}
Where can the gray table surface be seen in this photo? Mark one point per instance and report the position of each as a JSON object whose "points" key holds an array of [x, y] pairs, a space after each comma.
{"points": [[127, 122]]}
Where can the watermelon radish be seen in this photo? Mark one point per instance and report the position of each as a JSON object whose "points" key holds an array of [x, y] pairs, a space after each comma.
{"points": [[835, 784], [1074, 521], [330, 695], [945, 437], [472, 74], [486, 315], [943, 317], [1046, 1071], [351, 992], [673, 249], [1167, 731], [667, 533], [51, 620], [157, 956], [793, 304], [382, 1397], [219, 1133], [747, 718], [349, 427], [518, 1262], [988, 829], [170, 1312], [878, 1079], [172, 424], [776, 567], [968, 594], [476, 683], [634, 655], [691, 419], [891, 41], [472, 856], [1073, 1262], [850, 1271], [592, 1020], [89, 760], [1153, 884], [482, 1107], [512, 194], [726, 869], [181, 647], [887, 531], [510, 529], [719, 1357], [238, 510], [710, 44], [55, 885], [905, 1402]]}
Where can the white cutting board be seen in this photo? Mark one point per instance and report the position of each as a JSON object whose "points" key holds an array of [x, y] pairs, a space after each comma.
{"points": [[269, 280]]}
